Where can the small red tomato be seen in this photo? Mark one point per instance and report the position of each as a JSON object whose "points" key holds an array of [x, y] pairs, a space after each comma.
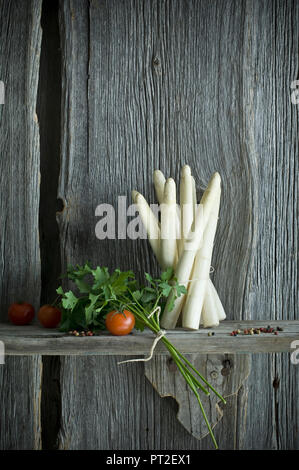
{"points": [[49, 316], [21, 313], [120, 323]]}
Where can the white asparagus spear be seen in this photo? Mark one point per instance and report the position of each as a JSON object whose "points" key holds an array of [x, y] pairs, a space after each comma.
{"points": [[194, 197], [196, 294], [209, 315], [211, 291], [134, 194], [150, 223], [183, 270], [212, 302], [210, 286], [168, 226], [210, 307], [219, 306], [159, 182], [186, 202]]}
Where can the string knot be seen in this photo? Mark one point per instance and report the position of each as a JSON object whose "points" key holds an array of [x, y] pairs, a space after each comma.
{"points": [[159, 335]]}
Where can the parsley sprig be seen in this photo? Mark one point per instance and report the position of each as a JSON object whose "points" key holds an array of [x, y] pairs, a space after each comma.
{"points": [[97, 292]]}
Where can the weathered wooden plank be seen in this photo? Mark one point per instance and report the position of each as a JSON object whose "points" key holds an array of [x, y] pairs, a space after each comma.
{"points": [[38, 340], [288, 327], [20, 40], [20, 396], [271, 132], [225, 373], [120, 406], [160, 84], [149, 63]]}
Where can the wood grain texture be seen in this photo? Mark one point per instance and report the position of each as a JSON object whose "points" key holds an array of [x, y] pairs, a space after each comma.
{"points": [[38, 340], [20, 378], [164, 83], [123, 410], [20, 396], [20, 40], [272, 29]]}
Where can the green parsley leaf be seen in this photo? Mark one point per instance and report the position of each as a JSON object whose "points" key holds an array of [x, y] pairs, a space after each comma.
{"points": [[91, 308], [167, 275], [70, 300]]}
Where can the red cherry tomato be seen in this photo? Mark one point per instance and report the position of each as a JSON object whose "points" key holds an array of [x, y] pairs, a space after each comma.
{"points": [[120, 323], [21, 313], [49, 316]]}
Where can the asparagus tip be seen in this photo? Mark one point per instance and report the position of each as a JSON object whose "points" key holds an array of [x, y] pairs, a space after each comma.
{"points": [[134, 194], [186, 170]]}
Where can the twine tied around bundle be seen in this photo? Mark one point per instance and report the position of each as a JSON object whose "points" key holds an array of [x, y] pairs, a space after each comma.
{"points": [[159, 336], [212, 270]]}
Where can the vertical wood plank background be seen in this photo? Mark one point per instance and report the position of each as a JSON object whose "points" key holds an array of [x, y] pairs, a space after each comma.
{"points": [[158, 84], [20, 378], [20, 39]]}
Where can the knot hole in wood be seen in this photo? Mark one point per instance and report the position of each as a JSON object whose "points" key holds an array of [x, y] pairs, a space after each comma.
{"points": [[60, 205], [227, 366], [171, 365], [156, 63]]}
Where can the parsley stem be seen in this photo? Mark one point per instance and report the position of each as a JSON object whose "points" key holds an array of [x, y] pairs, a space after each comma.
{"points": [[199, 374], [206, 420], [199, 401]]}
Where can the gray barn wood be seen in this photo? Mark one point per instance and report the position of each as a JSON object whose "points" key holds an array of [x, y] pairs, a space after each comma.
{"points": [[20, 39], [34, 339], [164, 83], [20, 400], [145, 85]]}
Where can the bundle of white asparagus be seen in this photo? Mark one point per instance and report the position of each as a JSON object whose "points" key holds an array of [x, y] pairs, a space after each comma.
{"points": [[183, 240]]}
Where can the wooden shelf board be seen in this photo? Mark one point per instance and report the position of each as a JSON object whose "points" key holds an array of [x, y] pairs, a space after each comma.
{"points": [[33, 339]]}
